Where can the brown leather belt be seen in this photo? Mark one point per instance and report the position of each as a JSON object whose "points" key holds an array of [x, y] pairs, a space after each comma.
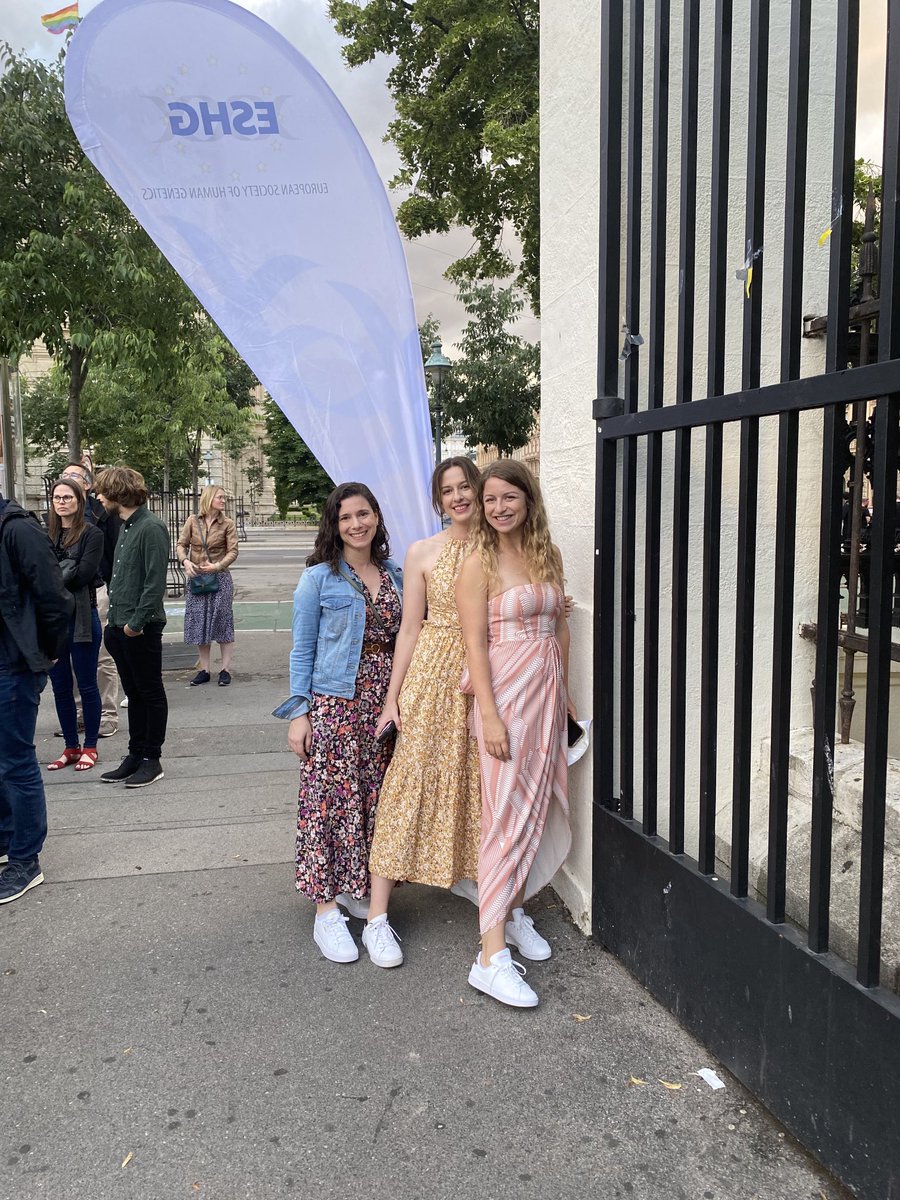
{"points": [[376, 647]]}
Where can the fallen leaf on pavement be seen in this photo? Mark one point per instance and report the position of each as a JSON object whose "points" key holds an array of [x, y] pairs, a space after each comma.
{"points": [[632, 1082], [580, 1017], [673, 1087], [128, 1157], [128, 1050]]}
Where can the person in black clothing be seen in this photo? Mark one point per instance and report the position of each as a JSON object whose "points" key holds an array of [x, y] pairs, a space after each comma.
{"points": [[78, 547], [35, 609], [109, 525]]}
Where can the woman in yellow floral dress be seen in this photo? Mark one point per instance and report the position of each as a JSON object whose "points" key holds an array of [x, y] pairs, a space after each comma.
{"points": [[427, 828]]}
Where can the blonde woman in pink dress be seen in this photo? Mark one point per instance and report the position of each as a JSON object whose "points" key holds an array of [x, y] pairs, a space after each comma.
{"points": [[510, 599]]}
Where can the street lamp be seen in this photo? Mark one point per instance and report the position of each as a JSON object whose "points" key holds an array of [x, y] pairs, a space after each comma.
{"points": [[208, 457], [436, 368]]}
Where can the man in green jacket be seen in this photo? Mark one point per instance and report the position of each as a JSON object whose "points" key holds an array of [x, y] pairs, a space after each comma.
{"points": [[136, 621]]}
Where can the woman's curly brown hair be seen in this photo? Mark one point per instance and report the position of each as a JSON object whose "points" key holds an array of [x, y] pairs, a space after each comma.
{"points": [[329, 547]]}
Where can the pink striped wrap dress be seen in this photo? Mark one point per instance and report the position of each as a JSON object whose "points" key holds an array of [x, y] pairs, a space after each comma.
{"points": [[525, 835]]}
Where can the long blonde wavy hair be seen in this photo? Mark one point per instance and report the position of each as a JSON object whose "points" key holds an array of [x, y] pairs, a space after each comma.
{"points": [[541, 558]]}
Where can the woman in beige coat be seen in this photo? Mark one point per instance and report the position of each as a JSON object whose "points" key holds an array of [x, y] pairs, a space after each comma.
{"points": [[206, 549]]}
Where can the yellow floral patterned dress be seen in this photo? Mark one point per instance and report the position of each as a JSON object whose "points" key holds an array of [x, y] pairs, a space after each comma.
{"points": [[428, 824]]}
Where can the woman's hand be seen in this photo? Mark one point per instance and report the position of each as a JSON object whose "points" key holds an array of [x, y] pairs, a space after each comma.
{"points": [[496, 739], [300, 737], [205, 567], [568, 605], [189, 569], [390, 712]]}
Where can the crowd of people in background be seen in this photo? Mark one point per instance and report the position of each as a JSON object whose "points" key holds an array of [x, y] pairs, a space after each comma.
{"points": [[429, 706], [82, 602]]}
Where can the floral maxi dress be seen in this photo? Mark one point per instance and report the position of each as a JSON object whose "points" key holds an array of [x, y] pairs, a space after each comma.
{"points": [[341, 778]]}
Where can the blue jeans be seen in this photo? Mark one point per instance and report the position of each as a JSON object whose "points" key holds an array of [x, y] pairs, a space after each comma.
{"points": [[23, 808], [80, 657]]}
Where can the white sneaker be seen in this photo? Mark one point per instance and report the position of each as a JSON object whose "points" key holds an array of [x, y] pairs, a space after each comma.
{"points": [[331, 935], [521, 933], [381, 942], [502, 979], [468, 889], [356, 908], [123, 703]]}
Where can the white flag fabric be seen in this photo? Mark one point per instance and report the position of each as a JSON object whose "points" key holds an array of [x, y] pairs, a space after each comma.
{"points": [[244, 168]]}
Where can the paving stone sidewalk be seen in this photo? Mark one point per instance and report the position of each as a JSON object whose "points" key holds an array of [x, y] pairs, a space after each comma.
{"points": [[169, 1030]]}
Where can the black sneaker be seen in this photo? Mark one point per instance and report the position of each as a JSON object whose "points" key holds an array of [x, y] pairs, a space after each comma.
{"points": [[126, 767], [224, 679], [148, 772], [19, 877], [200, 677]]}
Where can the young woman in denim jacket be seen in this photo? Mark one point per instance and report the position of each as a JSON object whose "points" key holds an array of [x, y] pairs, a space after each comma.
{"points": [[346, 616]]}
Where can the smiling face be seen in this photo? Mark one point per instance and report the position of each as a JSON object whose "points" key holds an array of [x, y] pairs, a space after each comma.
{"points": [[457, 495], [357, 523], [505, 505]]}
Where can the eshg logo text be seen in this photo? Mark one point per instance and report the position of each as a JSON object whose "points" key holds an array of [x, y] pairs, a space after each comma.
{"points": [[244, 117]]}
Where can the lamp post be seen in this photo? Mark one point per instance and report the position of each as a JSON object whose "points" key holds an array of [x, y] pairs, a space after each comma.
{"points": [[208, 458], [436, 368]]}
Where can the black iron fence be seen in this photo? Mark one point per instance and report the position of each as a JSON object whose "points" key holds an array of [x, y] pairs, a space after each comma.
{"points": [[720, 884]]}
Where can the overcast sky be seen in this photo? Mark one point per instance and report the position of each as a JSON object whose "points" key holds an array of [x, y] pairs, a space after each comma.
{"points": [[363, 93]]}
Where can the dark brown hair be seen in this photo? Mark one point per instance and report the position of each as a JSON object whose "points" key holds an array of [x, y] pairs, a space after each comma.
{"points": [[55, 525], [467, 467], [122, 485], [329, 548]]}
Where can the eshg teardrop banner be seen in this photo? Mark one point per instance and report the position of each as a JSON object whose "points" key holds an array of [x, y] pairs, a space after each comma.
{"points": [[244, 168]]}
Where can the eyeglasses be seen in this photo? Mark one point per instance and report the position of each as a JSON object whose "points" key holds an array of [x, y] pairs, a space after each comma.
{"points": [[63, 499]]}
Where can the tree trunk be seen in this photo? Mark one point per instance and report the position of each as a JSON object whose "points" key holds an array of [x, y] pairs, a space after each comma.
{"points": [[78, 369]]}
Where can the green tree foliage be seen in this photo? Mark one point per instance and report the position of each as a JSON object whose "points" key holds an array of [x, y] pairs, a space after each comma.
{"points": [[298, 478], [152, 420], [492, 395], [75, 267], [465, 85]]}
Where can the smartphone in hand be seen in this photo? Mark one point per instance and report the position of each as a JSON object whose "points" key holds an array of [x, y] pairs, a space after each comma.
{"points": [[389, 730]]}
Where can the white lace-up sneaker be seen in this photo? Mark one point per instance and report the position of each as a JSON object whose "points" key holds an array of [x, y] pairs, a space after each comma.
{"points": [[521, 933], [381, 942], [356, 908], [468, 889], [331, 935], [502, 979]]}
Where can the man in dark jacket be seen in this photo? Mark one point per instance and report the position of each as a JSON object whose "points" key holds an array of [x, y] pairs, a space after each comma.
{"points": [[35, 609], [137, 616], [109, 524]]}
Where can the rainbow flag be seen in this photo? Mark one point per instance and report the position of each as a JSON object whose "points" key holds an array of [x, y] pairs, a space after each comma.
{"points": [[58, 22]]}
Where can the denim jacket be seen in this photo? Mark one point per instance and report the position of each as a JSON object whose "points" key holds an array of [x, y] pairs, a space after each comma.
{"points": [[329, 620]]}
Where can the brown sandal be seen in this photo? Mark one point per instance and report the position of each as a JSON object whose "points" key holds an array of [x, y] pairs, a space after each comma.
{"points": [[69, 755], [87, 760]]}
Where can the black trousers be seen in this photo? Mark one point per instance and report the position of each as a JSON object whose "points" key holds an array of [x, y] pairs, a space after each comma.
{"points": [[139, 663]]}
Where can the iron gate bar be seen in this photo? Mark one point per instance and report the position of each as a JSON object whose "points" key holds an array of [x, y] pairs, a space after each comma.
{"points": [[800, 395], [690, 70], [656, 391], [712, 491], [878, 691], [611, 33], [788, 444], [832, 479], [748, 500], [878, 665], [631, 384]]}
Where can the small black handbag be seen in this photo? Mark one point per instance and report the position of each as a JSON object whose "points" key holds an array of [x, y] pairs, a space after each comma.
{"points": [[203, 585]]}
